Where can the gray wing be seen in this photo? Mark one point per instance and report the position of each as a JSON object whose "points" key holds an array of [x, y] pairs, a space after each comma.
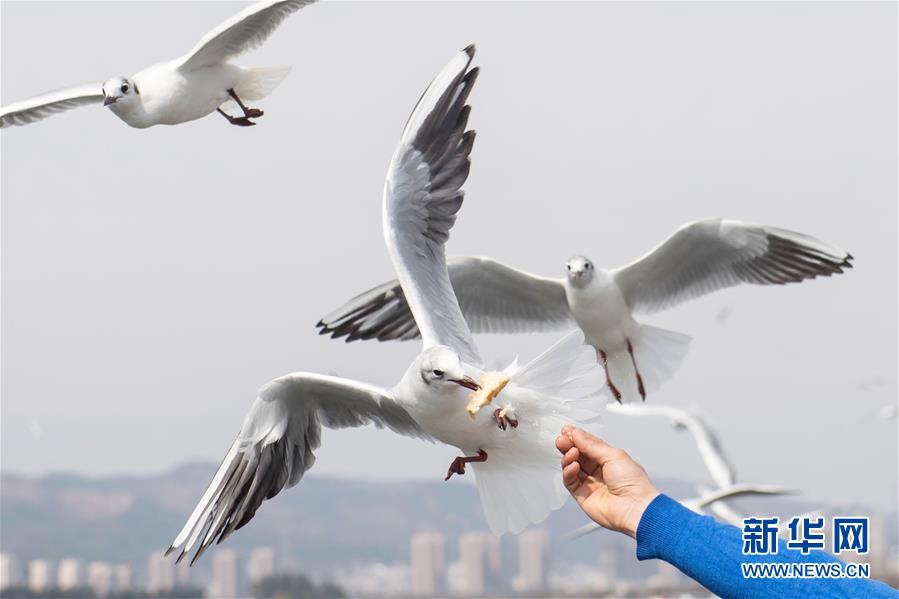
{"points": [[40, 107], [275, 448], [709, 255], [245, 31], [494, 299], [422, 195]]}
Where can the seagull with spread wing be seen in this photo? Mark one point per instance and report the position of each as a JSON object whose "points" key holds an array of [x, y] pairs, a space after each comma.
{"points": [[699, 258], [720, 468], [511, 448], [186, 88]]}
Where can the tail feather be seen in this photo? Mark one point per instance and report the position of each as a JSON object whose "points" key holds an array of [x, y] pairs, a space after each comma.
{"points": [[256, 84], [521, 483], [658, 354]]}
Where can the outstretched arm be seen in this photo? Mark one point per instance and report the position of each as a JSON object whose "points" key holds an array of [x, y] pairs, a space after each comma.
{"points": [[616, 493]]}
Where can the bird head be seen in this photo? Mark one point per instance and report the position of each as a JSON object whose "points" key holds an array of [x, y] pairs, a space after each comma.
{"points": [[580, 271], [441, 369], [119, 90]]}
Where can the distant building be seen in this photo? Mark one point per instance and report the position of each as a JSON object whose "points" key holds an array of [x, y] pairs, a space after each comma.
{"points": [[533, 554], [224, 575], [667, 577], [160, 572], [9, 571], [39, 575], [69, 574], [261, 564], [374, 579], [479, 554], [99, 578], [121, 578], [428, 563], [182, 573]]}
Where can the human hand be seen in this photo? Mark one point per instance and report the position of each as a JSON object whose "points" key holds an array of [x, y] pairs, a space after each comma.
{"points": [[611, 488]]}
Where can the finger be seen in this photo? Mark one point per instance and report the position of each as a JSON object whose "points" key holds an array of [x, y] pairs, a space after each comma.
{"points": [[570, 476], [592, 447], [563, 443], [570, 456]]}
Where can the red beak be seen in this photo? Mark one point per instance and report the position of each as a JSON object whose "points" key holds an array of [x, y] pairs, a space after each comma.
{"points": [[467, 382]]}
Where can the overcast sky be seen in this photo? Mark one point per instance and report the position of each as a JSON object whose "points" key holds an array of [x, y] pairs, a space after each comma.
{"points": [[153, 280]]}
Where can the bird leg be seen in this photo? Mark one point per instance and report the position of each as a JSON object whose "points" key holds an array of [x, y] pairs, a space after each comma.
{"points": [[503, 419], [240, 121], [458, 465], [251, 113], [605, 365], [640, 387]]}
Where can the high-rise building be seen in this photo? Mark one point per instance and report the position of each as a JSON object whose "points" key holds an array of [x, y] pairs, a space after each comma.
{"points": [[533, 554], [99, 578], [39, 575], [160, 572], [224, 575], [121, 578], [69, 574], [428, 562], [261, 564], [479, 554], [9, 571], [182, 573]]}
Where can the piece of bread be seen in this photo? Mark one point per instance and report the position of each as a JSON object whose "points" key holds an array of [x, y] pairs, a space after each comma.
{"points": [[492, 383]]}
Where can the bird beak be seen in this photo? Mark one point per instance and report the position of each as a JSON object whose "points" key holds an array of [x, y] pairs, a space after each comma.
{"points": [[467, 382], [109, 100]]}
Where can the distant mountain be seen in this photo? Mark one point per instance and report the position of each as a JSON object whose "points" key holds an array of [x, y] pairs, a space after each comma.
{"points": [[315, 527]]}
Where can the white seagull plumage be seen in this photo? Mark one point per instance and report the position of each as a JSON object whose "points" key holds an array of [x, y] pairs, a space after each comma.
{"points": [[720, 468], [186, 88], [699, 258], [517, 471]]}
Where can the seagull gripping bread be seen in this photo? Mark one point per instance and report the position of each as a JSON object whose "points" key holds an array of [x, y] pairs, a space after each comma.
{"points": [[699, 258], [186, 88], [517, 468]]}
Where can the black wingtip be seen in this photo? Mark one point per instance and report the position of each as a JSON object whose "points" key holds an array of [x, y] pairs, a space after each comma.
{"points": [[168, 551], [470, 50]]}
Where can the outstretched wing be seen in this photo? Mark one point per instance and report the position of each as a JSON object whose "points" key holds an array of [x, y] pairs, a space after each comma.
{"points": [[494, 298], [735, 491], [244, 31], [40, 107], [422, 195], [275, 448], [709, 255], [707, 442]]}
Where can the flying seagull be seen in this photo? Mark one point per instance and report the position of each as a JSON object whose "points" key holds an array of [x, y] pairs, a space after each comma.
{"points": [[511, 448], [706, 499], [186, 88], [716, 462], [699, 258]]}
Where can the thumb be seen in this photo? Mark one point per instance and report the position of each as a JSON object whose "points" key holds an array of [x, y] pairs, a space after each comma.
{"points": [[592, 446]]}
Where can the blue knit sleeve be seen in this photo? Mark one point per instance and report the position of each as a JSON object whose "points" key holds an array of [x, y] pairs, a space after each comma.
{"points": [[711, 553]]}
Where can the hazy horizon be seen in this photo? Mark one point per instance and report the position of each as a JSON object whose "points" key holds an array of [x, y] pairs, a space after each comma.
{"points": [[153, 280]]}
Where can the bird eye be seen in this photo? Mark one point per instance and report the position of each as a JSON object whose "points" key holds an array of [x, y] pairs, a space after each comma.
{"points": [[437, 373], [568, 267], [124, 88], [587, 265]]}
